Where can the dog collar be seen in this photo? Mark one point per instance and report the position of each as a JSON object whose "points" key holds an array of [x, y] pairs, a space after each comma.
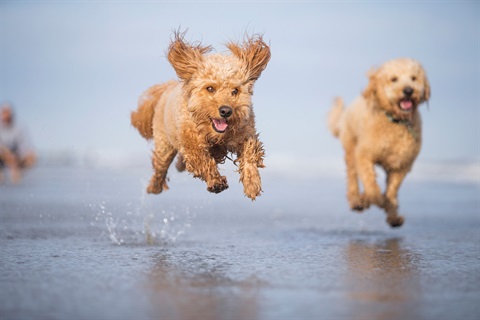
{"points": [[405, 123]]}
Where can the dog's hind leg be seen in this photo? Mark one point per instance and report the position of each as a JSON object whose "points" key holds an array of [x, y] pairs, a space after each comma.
{"points": [[180, 164], [394, 179], [162, 157], [353, 193]]}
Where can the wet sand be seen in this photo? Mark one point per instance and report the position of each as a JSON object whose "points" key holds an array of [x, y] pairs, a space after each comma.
{"points": [[79, 243]]}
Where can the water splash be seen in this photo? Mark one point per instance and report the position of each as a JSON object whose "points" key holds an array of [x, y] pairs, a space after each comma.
{"points": [[168, 224], [110, 221], [164, 224], [142, 222], [111, 225]]}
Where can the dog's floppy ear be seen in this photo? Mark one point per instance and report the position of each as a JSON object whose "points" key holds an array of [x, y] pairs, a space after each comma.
{"points": [[370, 90], [184, 57], [426, 93], [254, 52]]}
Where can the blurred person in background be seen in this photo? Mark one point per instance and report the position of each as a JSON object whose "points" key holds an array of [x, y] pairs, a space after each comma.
{"points": [[16, 149]]}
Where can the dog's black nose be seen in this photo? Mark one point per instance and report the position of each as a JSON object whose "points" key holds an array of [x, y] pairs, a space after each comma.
{"points": [[408, 91], [225, 111]]}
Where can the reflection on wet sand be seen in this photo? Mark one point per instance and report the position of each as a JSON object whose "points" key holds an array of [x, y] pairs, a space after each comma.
{"points": [[383, 279], [203, 293]]}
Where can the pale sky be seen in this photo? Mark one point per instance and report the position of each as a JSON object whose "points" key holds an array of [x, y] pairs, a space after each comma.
{"points": [[74, 70]]}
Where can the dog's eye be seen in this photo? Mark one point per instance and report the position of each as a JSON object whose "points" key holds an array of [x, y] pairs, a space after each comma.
{"points": [[210, 89], [394, 79], [414, 78], [235, 91]]}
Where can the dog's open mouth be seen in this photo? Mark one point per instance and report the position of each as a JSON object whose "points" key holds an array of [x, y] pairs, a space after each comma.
{"points": [[406, 104], [219, 125]]}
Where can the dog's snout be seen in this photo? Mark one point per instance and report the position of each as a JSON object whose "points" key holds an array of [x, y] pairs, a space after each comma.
{"points": [[225, 111], [408, 91]]}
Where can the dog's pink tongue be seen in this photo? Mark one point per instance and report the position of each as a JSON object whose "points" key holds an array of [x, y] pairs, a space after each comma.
{"points": [[220, 124], [406, 104]]}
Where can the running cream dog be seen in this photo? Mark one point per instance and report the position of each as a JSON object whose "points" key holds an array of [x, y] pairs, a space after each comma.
{"points": [[382, 127]]}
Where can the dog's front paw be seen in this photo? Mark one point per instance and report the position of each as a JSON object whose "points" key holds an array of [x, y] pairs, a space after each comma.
{"points": [[252, 184], [252, 191], [358, 207], [357, 203], [395, 221], [218, 185]]}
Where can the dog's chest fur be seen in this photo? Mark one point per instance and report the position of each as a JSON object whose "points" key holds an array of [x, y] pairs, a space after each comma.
{"points": [[396, 144]]}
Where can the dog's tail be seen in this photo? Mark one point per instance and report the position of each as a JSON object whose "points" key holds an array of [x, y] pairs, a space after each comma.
{"points": [[334, 116], [142, 118]]}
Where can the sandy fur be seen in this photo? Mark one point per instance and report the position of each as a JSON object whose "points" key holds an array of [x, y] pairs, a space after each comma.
{"points": [[178, 115], [374, 130]]}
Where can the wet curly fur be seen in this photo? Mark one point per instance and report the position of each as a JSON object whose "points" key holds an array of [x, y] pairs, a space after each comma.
{"points": [[382, 127], [205, 115]]}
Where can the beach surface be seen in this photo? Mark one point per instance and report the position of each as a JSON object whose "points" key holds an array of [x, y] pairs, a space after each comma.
{"points": [[89, 243]]}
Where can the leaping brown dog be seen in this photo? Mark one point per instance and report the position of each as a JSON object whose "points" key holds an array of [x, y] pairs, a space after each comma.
{"points": [[206, 114], [382, 127]]}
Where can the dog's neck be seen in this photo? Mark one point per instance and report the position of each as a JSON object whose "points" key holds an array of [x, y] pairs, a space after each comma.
{"points": [[405, 122], [391, 117]]}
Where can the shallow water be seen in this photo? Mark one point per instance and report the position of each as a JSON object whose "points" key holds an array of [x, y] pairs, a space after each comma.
{"points": [[85, 243]]}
